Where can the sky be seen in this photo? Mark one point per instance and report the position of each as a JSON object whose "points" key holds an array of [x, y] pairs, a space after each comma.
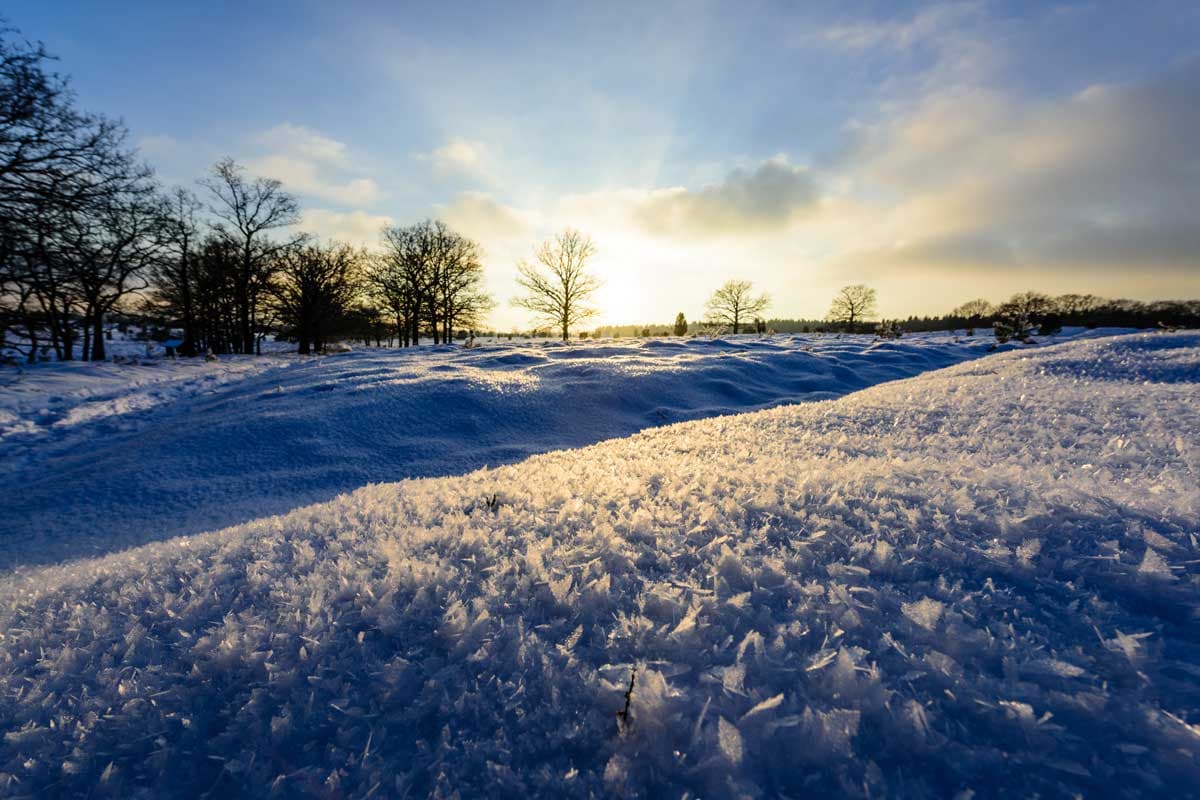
{"points": [[937, 152]]}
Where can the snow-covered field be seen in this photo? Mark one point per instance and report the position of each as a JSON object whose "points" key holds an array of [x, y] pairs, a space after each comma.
{"points": [[982, 579], [109, 456]]}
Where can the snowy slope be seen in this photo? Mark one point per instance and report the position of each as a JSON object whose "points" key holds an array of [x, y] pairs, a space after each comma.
{"points": [[985, 578], [187, 447]]}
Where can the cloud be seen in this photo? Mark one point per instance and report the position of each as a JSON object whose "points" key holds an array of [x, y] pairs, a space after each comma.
{"points": [[354, 227], [313, 164], [458, 156], [767, 197], [306, 177], [304, 142], [1106, 180], [479, 215], [931, 23], [945, 44]]}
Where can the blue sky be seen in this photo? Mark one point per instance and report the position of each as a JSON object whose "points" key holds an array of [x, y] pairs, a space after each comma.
{"points": [[936, 151]]}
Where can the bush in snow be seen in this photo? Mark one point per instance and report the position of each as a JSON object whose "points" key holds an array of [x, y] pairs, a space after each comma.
{"points": [[1050, 325], [888, 329], [1015, 327]]}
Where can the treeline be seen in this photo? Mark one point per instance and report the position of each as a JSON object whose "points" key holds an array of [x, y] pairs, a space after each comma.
{"points": [[1032, 311], [80, 221], [1050, 313], [86, 233]]}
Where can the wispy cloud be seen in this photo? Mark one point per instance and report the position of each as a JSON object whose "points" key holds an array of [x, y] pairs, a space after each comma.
{"points": [[458, 156], [480, 215], [354, 227], [313, 164], [1107, 178], [304, 142], [767, 197], [929, 24]]}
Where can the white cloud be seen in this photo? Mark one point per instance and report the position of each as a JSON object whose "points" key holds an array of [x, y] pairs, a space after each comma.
{"points": [[307, 178], [481, 216], [354, 227], [458, 156], [313, 164], [303, 142]]}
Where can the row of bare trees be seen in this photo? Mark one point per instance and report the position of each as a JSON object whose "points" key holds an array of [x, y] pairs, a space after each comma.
{"points": [[429, 278], [80, 218], [1049, 313], [221, 264], [86, 232], [84, 228], [237, 283]]}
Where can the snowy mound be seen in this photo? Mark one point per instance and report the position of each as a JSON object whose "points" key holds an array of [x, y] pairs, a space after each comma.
{"points": [[186, 447], [986, 578]]}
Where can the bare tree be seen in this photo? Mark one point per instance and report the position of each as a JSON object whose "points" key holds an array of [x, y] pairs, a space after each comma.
{"points": [[733, 303], [105, 252], [458, 285], [216, 267], [248, 209], [1078, 305], [57, 166], [315, 291], [974, 310], [852, 305], [403, 276], [558, 286], [174, 276], [1033, 306]]}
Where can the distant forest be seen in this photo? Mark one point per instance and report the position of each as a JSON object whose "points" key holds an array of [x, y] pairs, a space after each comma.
{"points": [[1036, 310]]}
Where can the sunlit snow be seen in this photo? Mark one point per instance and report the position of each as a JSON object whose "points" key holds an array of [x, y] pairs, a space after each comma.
{"points": [[980, 581], [113, 455]]}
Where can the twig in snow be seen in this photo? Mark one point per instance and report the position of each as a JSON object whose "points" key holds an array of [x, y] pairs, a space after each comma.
{"points": [[623, 722]]}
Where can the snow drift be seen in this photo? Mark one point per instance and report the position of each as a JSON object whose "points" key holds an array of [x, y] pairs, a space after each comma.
{"points": [[982, 579], [188, 447]]}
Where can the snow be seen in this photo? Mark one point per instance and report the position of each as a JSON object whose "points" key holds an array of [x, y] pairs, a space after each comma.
{"points": [[980, 581], [109, 456]]}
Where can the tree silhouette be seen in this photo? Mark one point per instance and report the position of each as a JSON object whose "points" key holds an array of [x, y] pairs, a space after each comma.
{"points": [[733, 302], [247, 210], [315, 291], [852, 305], [557, 285]]}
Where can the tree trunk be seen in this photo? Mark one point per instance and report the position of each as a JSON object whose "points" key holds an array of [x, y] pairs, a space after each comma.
{"points": [[244, 319], [55, 338], [98, 337], [33, 343], [68, 342], [188, 348]]}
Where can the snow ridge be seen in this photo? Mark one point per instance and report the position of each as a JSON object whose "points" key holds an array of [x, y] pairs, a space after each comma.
{"points": [[190, 447], [984, 579]]}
